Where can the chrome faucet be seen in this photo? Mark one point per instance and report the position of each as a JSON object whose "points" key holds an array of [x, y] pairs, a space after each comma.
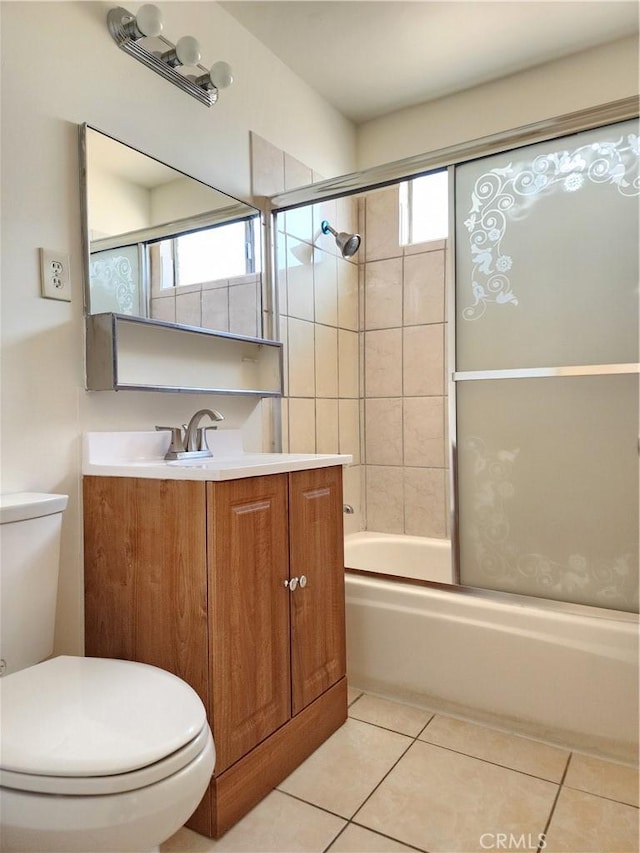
{"points": [[190, 441], [195, 438]]}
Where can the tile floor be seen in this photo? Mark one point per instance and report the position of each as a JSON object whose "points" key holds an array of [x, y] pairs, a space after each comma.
{"points": [[397, 778]]}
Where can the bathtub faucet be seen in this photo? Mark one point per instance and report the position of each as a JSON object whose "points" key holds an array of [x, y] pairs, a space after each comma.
{"points": [[190, 440]]}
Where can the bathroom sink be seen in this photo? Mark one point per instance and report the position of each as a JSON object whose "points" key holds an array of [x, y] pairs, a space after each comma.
{"points": [[141, 454]]}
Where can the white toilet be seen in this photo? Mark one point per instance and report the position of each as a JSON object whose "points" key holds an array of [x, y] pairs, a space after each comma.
{"points": [[96, 754]]}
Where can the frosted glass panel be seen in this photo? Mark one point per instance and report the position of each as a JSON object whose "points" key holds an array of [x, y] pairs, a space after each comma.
{"points": [[115, 281], [548, 487], [547, 253]]}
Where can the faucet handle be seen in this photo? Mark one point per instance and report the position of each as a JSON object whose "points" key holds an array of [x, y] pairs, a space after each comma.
{"points": [[177, 443], [201, 438]]}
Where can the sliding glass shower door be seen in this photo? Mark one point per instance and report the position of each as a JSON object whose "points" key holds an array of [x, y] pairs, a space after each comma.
{"points": [[546, 369]]}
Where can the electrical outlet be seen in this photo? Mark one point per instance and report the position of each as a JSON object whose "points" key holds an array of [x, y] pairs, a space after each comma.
{"points": [[54, 275]]}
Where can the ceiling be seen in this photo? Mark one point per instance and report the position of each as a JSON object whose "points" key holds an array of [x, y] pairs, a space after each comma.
{"points": [[371, 57]]}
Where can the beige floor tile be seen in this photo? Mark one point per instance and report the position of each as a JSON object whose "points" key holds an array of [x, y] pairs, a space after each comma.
{"points": [[390, 715], [352, 694], [518, 753], [583, 823], [279, 824], [187, 841], [444, 802], [615, 781], [356, 839], [342, 772]]}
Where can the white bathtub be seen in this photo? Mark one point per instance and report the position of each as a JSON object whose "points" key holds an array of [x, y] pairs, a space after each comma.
{"points": [[565, 677], [414, 557]]}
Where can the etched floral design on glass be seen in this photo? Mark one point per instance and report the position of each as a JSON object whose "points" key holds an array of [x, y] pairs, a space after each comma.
{"points": [[610, 583], [114, 281], [506, 194]]}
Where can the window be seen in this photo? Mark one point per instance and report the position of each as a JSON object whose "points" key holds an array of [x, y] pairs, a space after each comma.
{"points": [[211, 254], [424, 208], [215, 253]]}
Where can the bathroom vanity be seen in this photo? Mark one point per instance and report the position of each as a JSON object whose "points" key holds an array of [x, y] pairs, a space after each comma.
{"points": [[231, 578]]}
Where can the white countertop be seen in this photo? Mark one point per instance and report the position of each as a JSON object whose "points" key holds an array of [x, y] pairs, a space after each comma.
{"points": [[140, 454]]}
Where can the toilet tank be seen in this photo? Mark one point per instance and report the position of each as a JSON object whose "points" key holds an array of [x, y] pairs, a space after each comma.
{"points": [[30, 525]]}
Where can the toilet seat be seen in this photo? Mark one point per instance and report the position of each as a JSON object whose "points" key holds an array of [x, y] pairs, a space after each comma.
{"points": [[116, 784], [129, 822], [91, 726]]}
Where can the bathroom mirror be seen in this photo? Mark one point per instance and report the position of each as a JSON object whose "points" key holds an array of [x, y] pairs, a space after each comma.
{"points": [[162, 245]]}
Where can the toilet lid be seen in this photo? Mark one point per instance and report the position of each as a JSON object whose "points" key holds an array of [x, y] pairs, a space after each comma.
{"points": [[73, 716]]}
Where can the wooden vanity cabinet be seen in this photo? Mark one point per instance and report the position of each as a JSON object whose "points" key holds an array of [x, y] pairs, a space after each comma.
{"points": [[195, 577]]}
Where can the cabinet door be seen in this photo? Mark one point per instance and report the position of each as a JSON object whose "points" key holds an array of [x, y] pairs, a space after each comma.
{"points": [[145, 574], [249, 612], [316, 550]]}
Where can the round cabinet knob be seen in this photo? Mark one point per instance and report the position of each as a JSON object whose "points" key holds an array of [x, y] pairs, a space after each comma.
{"points": [[303, 581], [291, 583]]}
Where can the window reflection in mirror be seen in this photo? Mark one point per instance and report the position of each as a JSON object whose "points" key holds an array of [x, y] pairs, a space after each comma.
{"points": [[163, 245]]}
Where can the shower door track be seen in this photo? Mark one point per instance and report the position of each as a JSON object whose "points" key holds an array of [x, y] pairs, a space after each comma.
{"points": [[454, 155]]}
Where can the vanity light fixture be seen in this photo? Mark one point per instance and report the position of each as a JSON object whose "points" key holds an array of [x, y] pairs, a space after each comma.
{"points": [[140, 36]]}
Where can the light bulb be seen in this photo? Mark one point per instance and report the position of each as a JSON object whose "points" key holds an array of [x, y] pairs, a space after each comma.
{"points": [[188, 50], [221, 75], [149, 20]]}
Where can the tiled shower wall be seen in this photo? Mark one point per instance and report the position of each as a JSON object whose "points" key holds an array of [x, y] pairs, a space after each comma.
{"points": [[364, 347], [319, 321], [404, 349]]}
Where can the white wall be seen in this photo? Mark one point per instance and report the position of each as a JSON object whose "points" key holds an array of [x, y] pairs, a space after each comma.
{"points": [[116, 205], [584, 80], [61, 68], [182, 198]]}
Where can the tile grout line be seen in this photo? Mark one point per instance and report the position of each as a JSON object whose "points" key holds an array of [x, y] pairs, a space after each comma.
{"points": [[493, 763], [393, 766], [386, 728], [560, 782], [384, 835], [467, 754], [350, 820], [601, 797], [333, 840], [543, 839], [353, 702], [308, 803]]}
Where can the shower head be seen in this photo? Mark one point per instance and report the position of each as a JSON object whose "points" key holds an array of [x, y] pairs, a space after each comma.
{"points": [[347, 243]]}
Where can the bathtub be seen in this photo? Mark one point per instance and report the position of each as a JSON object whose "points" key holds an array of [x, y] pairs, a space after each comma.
{"points": [[565, 675], [415, 557]]}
